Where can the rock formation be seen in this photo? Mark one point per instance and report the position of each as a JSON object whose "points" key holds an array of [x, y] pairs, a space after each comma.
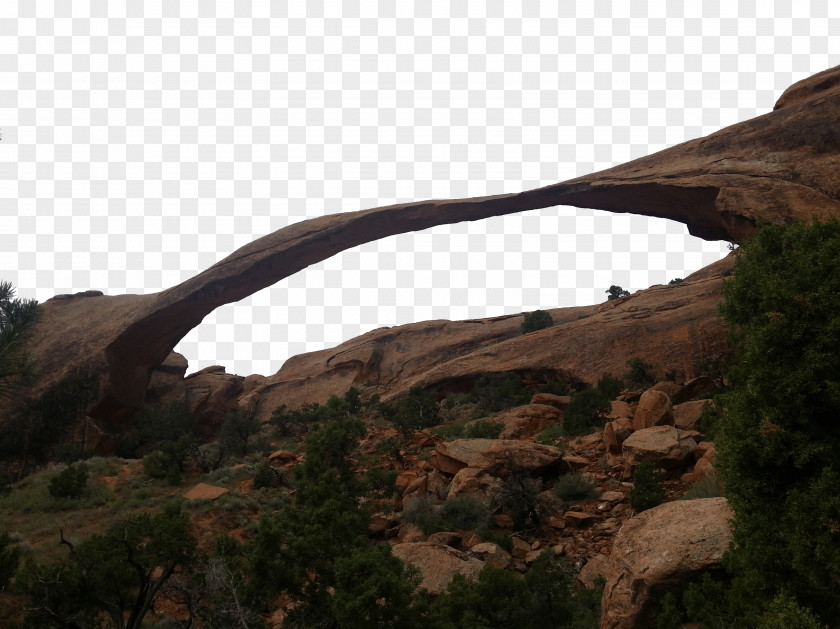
{"points": [[675, 327], [659, 548], [437, 563], [776, 168]]}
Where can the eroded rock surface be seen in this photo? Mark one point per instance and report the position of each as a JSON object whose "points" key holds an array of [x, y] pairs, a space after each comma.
{"points": [[666, 446], [658, 548], [437, 563], [495, 454]]}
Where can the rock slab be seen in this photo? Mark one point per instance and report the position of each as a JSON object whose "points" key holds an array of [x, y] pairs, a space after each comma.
{"points": [[658, 548]]}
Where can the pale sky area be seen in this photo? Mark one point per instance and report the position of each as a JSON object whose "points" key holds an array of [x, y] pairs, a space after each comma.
{"points": [[142, 144]]}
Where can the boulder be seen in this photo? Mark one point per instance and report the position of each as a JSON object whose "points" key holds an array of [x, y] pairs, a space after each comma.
{"points": [[475, 482], [580, 519], [616, 432], [654, 409], [687, 414], [447, 538], [672, 389], [559, 402], [167, 378], [210, 394], [284, 457], [203, 491], [595, 567], [705, 465], [431, 484], [437, 563], [657, 550], [695, 387], [668, 447], [525, 421], [491, 553], [620, 408], [497, 456]]}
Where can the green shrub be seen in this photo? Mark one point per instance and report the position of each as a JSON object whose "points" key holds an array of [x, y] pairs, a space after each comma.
{"points": [[676, 280], [70, 453], [155, 428], [17, 323], [293, 422], [545, 596], [463, 512], [418, 410], [237, 430], [610, 386], [483, 429], [159, 464], [380, 483], [495, 392], [453, 431], [616, 292], [9, 559], [521, 497], [784, 612], [391, 446], [575, 487], [710, 418], [587, 408], [70, 483], [537, 320], [778, 438], [480, 429], [423, 512], [639, 374], [460, 513], [647, 491], [550, 434], [267, 477]]}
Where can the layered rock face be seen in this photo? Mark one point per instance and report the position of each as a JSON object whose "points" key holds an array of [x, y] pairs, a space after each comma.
{"points": [[776, 168]]}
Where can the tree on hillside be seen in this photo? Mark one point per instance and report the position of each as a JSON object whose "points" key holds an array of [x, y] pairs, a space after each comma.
{"points": [[778, 440], [537, 320], [17, 320], [316, 550], [616, 292], [118, 575]]}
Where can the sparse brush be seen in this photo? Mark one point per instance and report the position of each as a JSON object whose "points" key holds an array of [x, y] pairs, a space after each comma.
{"points": [[550, 434], [575, 487]]}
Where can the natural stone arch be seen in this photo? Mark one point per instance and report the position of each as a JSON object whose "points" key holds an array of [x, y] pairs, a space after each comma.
{"points": [[775, 168]]}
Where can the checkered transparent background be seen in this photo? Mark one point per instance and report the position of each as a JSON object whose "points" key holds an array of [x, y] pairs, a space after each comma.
{"points": [[144, 141]]}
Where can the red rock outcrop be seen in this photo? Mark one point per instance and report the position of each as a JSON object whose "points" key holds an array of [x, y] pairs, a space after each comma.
{"points": [[666, 446], [775, 168], [672, 327], [437, 563], [654, 409], [658, 548], [451, 457]]}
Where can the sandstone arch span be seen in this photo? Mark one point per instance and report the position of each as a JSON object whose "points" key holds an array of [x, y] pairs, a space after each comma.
{"points": [[779, 167]]}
